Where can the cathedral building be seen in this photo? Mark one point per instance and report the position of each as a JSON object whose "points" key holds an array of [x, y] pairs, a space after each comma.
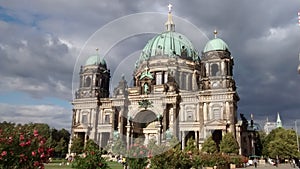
{"points": [[177, 92]]}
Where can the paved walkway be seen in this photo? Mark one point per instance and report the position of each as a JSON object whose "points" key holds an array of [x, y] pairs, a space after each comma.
{"points": [[268, 166]]}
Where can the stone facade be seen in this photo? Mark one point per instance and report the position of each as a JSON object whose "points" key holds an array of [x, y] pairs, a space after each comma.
{"points": [[174, 95]]}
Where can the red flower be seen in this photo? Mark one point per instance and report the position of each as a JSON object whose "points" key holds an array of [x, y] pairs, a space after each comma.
{"points": [[33, 153]]}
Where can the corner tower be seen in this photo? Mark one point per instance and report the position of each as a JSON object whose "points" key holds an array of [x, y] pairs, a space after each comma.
{"points": [[89, 100], [218, 96]]}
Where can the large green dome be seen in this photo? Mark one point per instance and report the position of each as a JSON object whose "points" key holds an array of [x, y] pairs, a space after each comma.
{"points": [[171, 44], [95, 60], [215, 44]]}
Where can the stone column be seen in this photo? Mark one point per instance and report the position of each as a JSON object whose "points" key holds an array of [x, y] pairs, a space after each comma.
{"points": [[159, 133], [205, 111], [146, 139], [175, 120], [196, 138], [182, 140], [100, 140], [128, 136], [223, 70]]}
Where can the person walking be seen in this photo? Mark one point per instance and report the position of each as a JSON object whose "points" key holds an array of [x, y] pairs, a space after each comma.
{"points": [[255, 162]]}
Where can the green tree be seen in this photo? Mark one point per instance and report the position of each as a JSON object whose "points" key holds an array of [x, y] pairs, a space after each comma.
{"points": [[190, 145], [229, 145], [60, 148], [77, 145], [281, 143], [118, 147], [209, 145]]}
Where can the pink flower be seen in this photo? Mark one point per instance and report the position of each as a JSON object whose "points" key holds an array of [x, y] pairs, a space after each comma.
{"points": [[43, 155], [40, 150], [134, 154], [21, 137], [22, 144], [42, 142], [141, 152], [35, 133], [33, 153], [10, 139], [3, 153], [28, 142], [36, 164]]}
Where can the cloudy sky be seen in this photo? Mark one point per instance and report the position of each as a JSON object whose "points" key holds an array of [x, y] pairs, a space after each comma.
{"points": [[43, 43]]}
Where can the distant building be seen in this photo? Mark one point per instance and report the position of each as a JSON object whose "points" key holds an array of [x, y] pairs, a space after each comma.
{"points": [[248, 137], [269, 126]]}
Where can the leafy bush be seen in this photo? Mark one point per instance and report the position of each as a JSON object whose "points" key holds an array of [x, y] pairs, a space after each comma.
{"points": [[91, 158]]}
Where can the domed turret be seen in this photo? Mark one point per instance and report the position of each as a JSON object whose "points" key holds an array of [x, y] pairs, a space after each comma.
{"points": [[215, 44], [95, 60]]}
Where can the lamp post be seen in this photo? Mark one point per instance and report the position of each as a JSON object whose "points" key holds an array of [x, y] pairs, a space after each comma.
{"points": [[296, 129]]}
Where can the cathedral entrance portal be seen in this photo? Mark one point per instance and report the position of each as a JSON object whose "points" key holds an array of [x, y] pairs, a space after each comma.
{"points": [[217, 137], [145, 126]]}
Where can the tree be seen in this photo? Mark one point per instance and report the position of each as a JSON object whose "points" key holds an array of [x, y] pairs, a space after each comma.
{"points": [[77, 145], [60, 148], [118, 147], [229, 145], [190, 145], [281, 143], [209, 145]]}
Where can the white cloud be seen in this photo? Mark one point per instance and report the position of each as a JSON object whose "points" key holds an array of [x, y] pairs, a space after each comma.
{"points": [[55, 116]]}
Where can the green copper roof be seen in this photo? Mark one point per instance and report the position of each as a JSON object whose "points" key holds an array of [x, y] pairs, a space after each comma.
{"points": [[171, 44], [95, 60], [215, 44]]}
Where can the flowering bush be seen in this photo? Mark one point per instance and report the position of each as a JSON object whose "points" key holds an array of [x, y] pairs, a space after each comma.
{"points": [[137, 156], [91, 158], [22, 147]]}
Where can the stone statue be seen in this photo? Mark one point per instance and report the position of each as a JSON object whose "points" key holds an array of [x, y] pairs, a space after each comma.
{"points": [[146, 88]]}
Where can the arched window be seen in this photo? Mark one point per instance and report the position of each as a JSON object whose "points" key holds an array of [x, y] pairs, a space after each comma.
{"points": [[87, 82], [214, 69]]}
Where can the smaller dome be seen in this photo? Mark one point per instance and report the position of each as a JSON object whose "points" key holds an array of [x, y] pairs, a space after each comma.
{"points": [[215, 44], [95, 60]]}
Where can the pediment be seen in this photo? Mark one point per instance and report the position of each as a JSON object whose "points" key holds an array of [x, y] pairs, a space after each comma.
{"points": [[81, 126], [215, 122]]}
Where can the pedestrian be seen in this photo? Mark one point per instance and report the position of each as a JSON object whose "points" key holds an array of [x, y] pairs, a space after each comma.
{"points": [[255, 162]]}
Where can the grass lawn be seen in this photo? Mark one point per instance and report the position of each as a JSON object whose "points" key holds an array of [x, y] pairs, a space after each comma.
{"points": [[113, 165]]}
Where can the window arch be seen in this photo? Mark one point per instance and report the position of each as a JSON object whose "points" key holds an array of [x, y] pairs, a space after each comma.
{"points": [[214, 69], [87, 82]]}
